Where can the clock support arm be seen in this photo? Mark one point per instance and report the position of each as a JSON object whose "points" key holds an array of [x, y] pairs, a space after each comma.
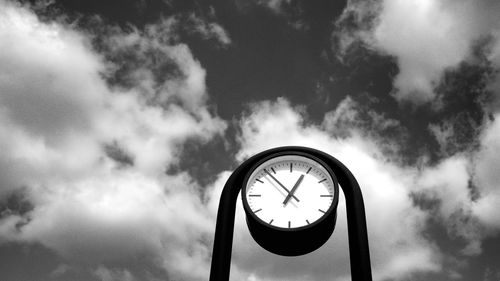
{"points": [[224, 228], [359, 251]]}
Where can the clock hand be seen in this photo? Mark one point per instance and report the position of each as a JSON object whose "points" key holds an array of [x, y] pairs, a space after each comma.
{"points": [[286, 189], [293, 190]]}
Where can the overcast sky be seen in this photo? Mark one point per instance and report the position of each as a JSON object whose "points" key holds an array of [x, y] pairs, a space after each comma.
{"points": [[121, 120]]}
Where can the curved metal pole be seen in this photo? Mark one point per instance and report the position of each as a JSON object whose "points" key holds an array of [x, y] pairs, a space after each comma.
{"points": [[356, 222], [359, 251], [224, 228]]}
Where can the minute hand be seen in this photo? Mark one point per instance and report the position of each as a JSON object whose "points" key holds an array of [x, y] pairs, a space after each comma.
{"points": [[286, 189]]}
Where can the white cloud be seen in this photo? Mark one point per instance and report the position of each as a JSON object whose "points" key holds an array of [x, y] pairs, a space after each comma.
{"points": [[426, 37], [274, 5], [487, 160], [58, 115], [486, 175], [105, 274], [209, 30], [447, 179], [448, 183], [443, 133], [156, 47], [494, 57], [466, 186]]}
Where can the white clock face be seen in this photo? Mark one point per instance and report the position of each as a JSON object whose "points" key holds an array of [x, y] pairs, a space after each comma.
{"points": [[290, 191]]}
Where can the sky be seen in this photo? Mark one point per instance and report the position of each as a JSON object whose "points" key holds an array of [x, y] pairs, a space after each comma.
{"points": [[120, 122]]}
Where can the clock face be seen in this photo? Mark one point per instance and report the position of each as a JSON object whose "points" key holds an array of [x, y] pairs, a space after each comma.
{"points": [[290, 191]]}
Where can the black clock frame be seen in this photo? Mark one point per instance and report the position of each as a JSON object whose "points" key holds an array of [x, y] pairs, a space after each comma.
{"points": [[356, 221], [304, 239]]}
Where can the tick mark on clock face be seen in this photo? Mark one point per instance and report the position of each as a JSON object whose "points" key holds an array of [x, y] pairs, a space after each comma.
{"points": [[318, 210], [328, 195], [259, 180], [257, 211], [308, 222], [308, 170], [270, 222], [322, 180], [291, 167], [272, 169], [289, 223], [254, 195]]}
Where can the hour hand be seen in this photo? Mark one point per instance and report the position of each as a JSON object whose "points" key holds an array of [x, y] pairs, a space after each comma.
{"points": [[280, 184], [293, 190]]}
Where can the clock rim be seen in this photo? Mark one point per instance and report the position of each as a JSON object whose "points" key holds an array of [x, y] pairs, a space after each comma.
{"points": [[332, 208]]}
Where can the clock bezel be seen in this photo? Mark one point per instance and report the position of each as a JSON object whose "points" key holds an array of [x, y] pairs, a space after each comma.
{"points": [[331, 208]]}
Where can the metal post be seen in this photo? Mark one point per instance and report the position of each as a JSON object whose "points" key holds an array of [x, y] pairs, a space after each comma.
{"points": [[224, 228], [359, 251]]}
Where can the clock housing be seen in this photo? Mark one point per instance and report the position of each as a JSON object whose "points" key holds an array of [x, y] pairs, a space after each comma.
{"points": [[299, 238]]}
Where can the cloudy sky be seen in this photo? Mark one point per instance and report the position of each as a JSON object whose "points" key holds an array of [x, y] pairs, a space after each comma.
{"points": [[121, 120]]}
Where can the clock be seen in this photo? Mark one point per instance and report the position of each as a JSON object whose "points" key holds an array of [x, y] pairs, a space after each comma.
{"points": [[290, 201]]}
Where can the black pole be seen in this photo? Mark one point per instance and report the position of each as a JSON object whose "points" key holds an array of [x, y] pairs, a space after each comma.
{"points": [[224, 228], [359, 251], [356, 222]]}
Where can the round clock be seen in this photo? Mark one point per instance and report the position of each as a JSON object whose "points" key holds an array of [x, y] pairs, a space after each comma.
{"points": [[290, 200]]}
